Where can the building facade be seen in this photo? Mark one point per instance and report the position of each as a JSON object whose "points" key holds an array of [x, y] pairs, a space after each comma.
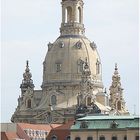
{"points": [[106, 128], [87, 128], [24, 131], [72, 77]]}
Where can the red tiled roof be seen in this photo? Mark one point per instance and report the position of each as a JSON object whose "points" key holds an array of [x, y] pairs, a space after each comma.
{"points": [[45, 127], [62, 132], [3, 136], [59, 130], [65, 126], [11, 135]]}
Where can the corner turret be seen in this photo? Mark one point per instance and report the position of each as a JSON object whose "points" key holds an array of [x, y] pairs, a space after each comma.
{"points": [[27, 81], [117, 102]]}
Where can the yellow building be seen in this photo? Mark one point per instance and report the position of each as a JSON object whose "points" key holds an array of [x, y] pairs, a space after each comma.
{"points": [[106, 128]]}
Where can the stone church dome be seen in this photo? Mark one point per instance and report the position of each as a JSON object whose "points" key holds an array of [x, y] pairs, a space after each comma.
{"points": [[72, 76], [65, 59]]}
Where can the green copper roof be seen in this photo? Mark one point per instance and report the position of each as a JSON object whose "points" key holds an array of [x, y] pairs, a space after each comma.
{"points": [[105, 117], [134, 124], [106, 122]]}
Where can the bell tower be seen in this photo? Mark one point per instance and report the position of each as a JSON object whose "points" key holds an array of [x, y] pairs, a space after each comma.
{"points": [[72, 17]]}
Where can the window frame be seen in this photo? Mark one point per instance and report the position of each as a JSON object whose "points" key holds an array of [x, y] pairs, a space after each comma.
{"points": [[114, 138], [77, 138], [90, 138], [28, 103], [54, 136], [102, 138]]}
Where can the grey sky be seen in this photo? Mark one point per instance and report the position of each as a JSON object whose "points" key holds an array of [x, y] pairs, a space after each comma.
{"points": [[28, 25]]}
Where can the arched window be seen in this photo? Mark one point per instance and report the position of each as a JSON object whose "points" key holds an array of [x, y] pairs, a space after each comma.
{"points": [[29, 103], [53, 100], [90, 138], [68, 14], [79, 15], [125, 138], [102, 138], [89, 101], [114, 138], [54, 138], [77, 138], [68, 138], [119, 105]]}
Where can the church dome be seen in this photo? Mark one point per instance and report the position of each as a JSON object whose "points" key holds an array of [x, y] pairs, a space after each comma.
{"points": [[65, 60], [66, 57]]}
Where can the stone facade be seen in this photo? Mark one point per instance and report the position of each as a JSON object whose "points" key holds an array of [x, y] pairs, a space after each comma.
{"points": [[63, 74]]}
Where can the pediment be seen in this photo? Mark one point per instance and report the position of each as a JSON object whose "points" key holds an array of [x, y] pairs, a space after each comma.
{"points": [[49, 116]]}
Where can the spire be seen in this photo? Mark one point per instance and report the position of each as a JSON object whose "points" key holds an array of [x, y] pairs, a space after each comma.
{"points": [[116, 69], [72, 18], [117, 102], [27, 81]]}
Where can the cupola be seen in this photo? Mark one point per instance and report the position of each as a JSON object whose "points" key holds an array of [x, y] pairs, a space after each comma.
{"points": [[72, 17]]}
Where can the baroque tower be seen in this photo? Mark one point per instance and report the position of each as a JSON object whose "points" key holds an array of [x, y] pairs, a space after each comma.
{"points": [[72, 75], [117, 102]]}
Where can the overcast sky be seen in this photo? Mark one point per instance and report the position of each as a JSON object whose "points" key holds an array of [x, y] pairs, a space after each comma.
{"points": [[28, 26]]}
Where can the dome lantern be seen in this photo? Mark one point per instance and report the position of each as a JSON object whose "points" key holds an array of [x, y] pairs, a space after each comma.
{"points": [[72, 17]]}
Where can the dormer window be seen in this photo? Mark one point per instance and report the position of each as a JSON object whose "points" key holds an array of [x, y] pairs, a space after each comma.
{"points": [[114, 124], [78, 45], [84, 124]]}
